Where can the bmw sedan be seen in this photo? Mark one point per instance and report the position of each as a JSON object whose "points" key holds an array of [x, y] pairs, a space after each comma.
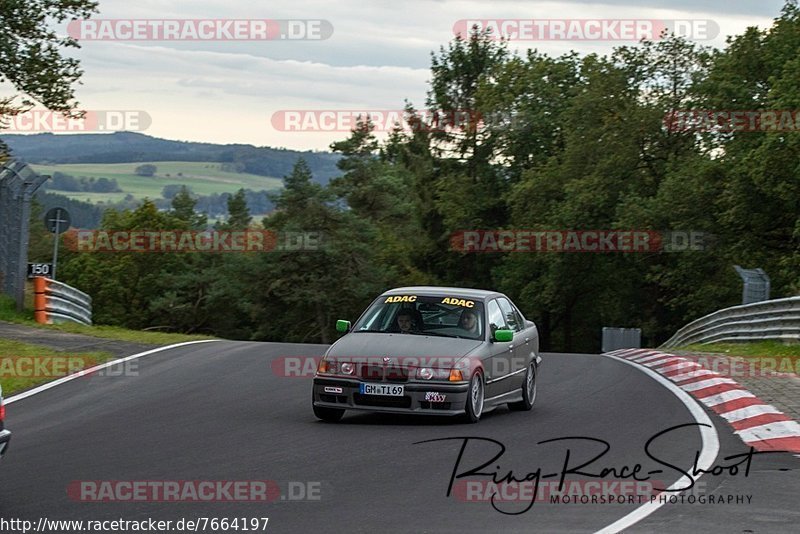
{"points": [[431, 350]]}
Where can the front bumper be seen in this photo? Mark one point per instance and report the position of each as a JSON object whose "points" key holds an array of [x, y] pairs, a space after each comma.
{"points": [[5, 438], [343, 393]]}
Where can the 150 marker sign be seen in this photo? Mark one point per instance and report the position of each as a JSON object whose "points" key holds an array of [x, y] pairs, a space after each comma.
{"points": [[40, 269]]}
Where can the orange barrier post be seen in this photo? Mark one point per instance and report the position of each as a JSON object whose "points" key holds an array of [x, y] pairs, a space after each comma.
{"points": [[39, 299]]}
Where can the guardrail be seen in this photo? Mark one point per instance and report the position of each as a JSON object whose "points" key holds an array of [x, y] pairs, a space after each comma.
{"points": [[56, 303], [777, 319]]}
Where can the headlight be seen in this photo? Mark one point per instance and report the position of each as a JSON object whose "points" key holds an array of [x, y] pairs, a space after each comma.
{"points": [[332, 367], [427, 373], [325, 367]]}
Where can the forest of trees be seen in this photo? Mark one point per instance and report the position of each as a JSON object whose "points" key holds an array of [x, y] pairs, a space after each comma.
{"points": [[586, 146], [127, 147], [65, 182]]}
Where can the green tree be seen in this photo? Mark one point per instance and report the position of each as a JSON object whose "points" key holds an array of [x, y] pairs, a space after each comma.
{"points": [[124, 284], [146, 170], [31, 55], [299, 292], [183, 208], [238, 214]]}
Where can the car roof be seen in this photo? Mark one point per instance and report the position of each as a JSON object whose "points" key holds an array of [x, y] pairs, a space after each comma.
{"points": [[444, 291]]}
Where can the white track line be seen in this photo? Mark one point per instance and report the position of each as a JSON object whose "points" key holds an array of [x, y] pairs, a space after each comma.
{"points": [[726, 396], [780, 429], [649, 357], [688, 366], [84, 372], [749, 411], [711, 382], [708, 454], [692, 374]]}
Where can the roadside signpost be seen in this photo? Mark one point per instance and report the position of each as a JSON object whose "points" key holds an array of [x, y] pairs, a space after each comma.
{"points": [[57, 221]]}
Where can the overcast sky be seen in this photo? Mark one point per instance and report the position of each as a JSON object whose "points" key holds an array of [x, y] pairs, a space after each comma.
{"points": [[377, 56]]}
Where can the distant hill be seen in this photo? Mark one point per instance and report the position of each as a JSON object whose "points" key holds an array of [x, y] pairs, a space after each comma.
{"points": [[129, 147]]}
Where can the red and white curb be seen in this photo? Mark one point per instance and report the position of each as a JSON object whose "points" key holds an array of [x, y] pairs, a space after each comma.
{"points": [[758, 424]]}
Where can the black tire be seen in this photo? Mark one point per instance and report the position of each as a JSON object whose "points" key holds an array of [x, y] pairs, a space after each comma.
{"points": [[329, 415], [528, 391], [476, 395]]}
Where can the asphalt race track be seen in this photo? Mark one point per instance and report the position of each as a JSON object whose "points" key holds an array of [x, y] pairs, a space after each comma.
{"points": [[217, 411]]}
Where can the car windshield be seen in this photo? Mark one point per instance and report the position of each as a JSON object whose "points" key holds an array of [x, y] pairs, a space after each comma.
{"points": [[443, 315]]}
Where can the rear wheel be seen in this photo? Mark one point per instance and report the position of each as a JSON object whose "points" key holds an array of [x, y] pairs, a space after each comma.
{"points": [[528, 391], [475, 396]]}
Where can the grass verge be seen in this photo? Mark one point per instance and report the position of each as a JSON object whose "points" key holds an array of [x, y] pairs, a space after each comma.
{"points": [[23, 366], [759, 349], [8, 313]]}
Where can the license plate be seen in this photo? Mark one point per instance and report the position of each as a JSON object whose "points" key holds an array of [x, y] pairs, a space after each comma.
{"points": [[389, 390]]}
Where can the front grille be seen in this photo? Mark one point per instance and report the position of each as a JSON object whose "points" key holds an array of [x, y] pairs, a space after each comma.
{"points": [[372, 372], [381, 373], [384, 402], [397, 374]]}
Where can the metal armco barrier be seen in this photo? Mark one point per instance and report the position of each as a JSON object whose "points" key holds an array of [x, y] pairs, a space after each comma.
{"points": [[18, 183], [777, 319], [56, 303]]}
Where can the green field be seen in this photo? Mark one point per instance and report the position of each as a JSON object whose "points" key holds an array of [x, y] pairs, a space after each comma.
{"points": [[203, 178]]}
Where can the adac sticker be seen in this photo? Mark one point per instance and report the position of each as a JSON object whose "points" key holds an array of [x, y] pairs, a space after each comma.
{"points": [[458, 302], [401, 298]]}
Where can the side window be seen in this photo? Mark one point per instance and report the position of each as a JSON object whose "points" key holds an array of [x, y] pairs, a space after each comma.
{"points": [[520, 318], [510, 314], [496, 319]]}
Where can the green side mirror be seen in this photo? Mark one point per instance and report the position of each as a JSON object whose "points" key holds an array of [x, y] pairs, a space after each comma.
{"points": [[503, 336], [342, 326]]}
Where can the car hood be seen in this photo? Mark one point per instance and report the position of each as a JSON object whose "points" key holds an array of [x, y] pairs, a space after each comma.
{"points": [[375, 345]]}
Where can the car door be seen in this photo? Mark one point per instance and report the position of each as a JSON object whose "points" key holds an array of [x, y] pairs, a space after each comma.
{"points": [[498, 368], [519, 355], [529, 336]]}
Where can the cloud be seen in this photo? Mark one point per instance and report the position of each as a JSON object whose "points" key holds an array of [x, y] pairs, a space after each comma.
{"points": [[378, 56]]}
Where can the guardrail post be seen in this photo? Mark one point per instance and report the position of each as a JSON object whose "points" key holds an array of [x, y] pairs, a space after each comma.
{"points": [[39, 299]]}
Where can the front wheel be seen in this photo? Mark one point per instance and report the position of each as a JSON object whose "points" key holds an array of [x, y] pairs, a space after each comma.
{"points": [[329, 415], [475, 396], [528, 391]]}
